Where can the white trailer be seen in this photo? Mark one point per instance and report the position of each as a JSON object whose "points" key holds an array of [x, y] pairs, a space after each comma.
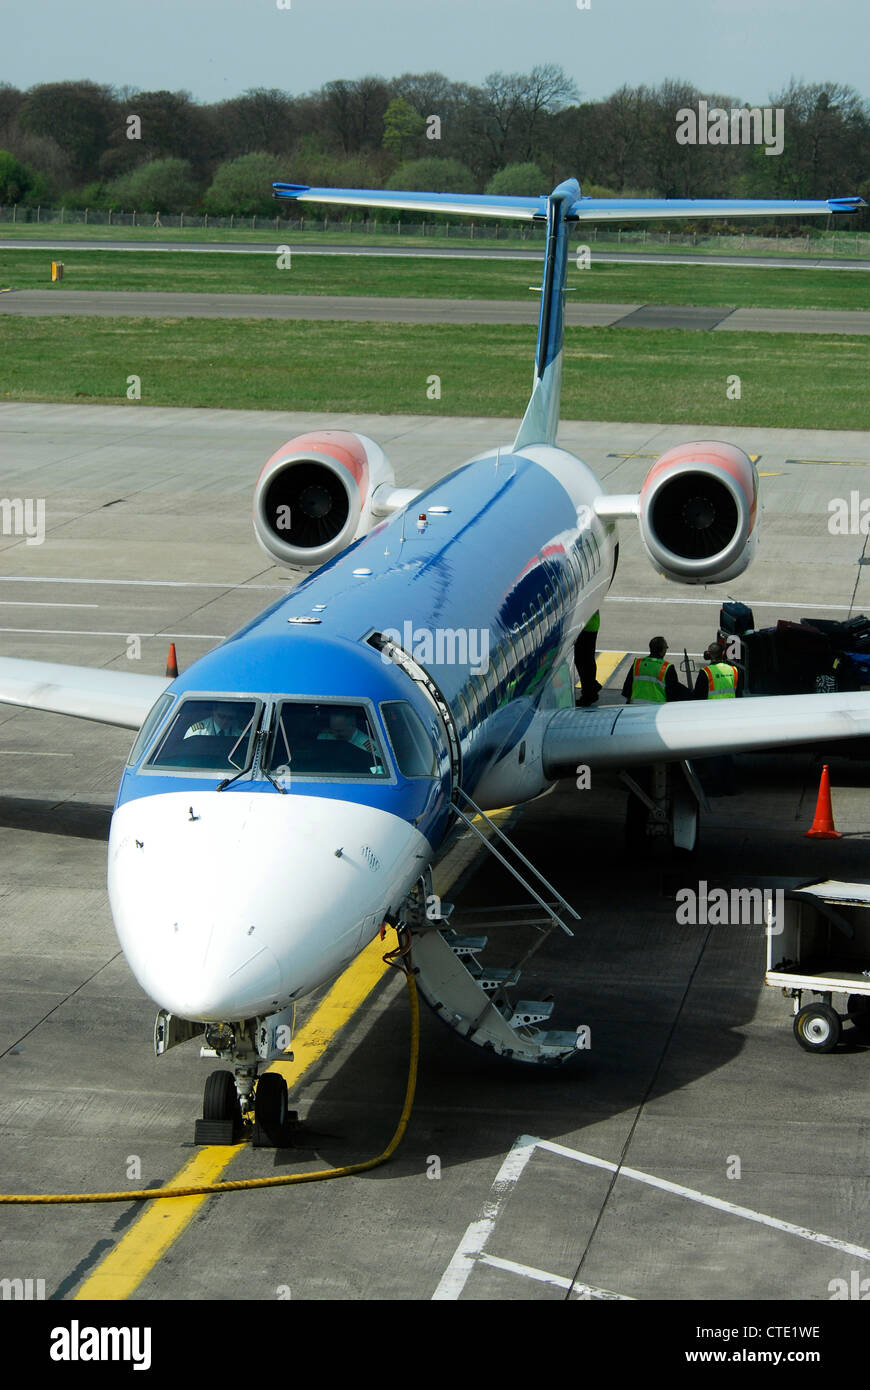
{"points": [[818, 943]]}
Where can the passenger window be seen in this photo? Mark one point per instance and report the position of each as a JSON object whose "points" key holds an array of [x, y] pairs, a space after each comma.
{"points": [[464, 713]]}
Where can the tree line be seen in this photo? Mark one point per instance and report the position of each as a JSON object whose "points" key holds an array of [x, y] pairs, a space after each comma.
{"points": [[83, 144]]}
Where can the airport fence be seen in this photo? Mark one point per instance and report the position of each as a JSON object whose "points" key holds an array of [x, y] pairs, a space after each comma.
{"points": [[821, 243]]}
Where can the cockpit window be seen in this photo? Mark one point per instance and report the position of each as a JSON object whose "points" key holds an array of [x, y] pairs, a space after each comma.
{"points": [[325, 740], [152, 719], [209, 735], [415, 753]]}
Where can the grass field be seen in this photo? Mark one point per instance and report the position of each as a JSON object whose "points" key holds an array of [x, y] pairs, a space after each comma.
{"points": [[788, 380], [434, 279], [833, 245]]}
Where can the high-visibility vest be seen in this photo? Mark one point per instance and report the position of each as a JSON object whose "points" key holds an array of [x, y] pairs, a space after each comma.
{"points": [[721, 681], [594, 623], [648, 681]]}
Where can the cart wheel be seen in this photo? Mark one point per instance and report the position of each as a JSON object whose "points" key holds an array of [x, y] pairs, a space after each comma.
{"points": [[817, 1028], [858, 1005]]}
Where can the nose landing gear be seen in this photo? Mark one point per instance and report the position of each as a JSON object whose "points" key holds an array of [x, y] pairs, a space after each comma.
{"points": [[236, 1105]]}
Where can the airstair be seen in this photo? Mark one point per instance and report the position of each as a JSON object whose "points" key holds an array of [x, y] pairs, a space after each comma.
{"points": [[478, 1000]]}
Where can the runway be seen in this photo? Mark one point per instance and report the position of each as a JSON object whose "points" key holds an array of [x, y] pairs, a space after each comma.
{"points": [[692, 1063], [361, 308], [454, 253]]}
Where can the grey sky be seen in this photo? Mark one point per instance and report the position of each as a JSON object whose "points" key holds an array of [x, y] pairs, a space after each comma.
{"points": [[219, 48]]}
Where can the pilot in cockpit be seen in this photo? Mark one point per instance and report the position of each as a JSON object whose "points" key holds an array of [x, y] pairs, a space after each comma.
{"points": [[343, 728], [225, 721]]}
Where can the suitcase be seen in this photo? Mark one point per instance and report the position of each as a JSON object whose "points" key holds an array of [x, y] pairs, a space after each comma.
{"points": [[761, 668], [802, 654], [735, 619]]}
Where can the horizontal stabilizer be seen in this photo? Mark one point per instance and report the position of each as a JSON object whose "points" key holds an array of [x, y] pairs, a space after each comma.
{"points": [[471, 204], [580, 210], [637, 209], [121, 698]]}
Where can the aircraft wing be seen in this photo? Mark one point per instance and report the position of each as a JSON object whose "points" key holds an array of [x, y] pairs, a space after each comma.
{"points": [[108, 697], [623, 735]]}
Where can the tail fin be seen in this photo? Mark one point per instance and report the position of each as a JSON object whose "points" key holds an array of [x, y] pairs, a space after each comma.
{"points": [[541, 420]]}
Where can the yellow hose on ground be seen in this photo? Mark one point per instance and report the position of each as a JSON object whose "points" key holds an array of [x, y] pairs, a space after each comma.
{"points": [[151, 1194]]}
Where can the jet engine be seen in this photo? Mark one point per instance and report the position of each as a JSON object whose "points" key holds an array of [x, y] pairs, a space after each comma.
{"points": [[699, 514], [316, 494]]}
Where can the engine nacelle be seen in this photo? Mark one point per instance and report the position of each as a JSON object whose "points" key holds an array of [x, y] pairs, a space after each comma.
{"points": [[314, 496], [699, 512]]}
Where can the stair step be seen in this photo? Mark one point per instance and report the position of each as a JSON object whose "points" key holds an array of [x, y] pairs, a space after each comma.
{"points": [[491, 978], [531, 1011], [558, 1045], [464, 945]]}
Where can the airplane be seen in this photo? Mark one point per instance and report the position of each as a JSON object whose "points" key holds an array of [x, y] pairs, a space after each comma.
{"points": [[291, 791]]}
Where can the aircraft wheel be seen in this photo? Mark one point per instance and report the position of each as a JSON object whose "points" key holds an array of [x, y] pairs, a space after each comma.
{"points": [[270, 1104], [817, 1028], [220, 1100]]}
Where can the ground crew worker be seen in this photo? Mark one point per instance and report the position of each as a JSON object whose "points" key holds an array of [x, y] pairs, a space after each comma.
{"points": [[718, 680], [584, 660], [652, 680]]}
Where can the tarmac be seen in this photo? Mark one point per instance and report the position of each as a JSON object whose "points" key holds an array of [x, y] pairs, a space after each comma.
{"points": [[691, 1152], [362, 308]]}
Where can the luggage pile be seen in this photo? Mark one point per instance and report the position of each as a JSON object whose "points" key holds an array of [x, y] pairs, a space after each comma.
{"points": [[809, 657]]}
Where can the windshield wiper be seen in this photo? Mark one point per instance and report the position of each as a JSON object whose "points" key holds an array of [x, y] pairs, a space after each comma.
{"points": [[228, 781]]}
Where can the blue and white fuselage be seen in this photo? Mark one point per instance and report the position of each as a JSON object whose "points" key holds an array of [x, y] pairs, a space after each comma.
{"points": [[230, 901]]}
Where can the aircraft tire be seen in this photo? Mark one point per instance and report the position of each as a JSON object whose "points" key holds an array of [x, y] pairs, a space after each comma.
{"points": [[270, 1105], [220, 1100]]}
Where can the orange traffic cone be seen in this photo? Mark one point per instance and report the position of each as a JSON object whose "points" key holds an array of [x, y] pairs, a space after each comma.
{"points": [[823, 824], [172, 662]]}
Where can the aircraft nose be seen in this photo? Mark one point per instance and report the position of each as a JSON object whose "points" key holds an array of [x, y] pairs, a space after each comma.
{"points": [[229, 904]]}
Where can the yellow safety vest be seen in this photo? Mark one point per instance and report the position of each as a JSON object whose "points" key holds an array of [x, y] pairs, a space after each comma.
{"points": [[648, 681], [721, 681]]}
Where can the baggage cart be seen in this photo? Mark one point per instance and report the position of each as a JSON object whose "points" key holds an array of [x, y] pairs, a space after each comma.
{"points": [[818, 944]]}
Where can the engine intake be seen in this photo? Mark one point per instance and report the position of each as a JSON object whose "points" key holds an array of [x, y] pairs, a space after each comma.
{"points": [[314, 495], [699, 512]]}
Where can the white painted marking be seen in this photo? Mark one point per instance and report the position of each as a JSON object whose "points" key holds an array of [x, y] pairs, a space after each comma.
{"points": [[88, 632], [27, 753], [542, 1277], [28, 603], [693, 1195], [471, 1247], [143, 583], [455, 1276]]}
